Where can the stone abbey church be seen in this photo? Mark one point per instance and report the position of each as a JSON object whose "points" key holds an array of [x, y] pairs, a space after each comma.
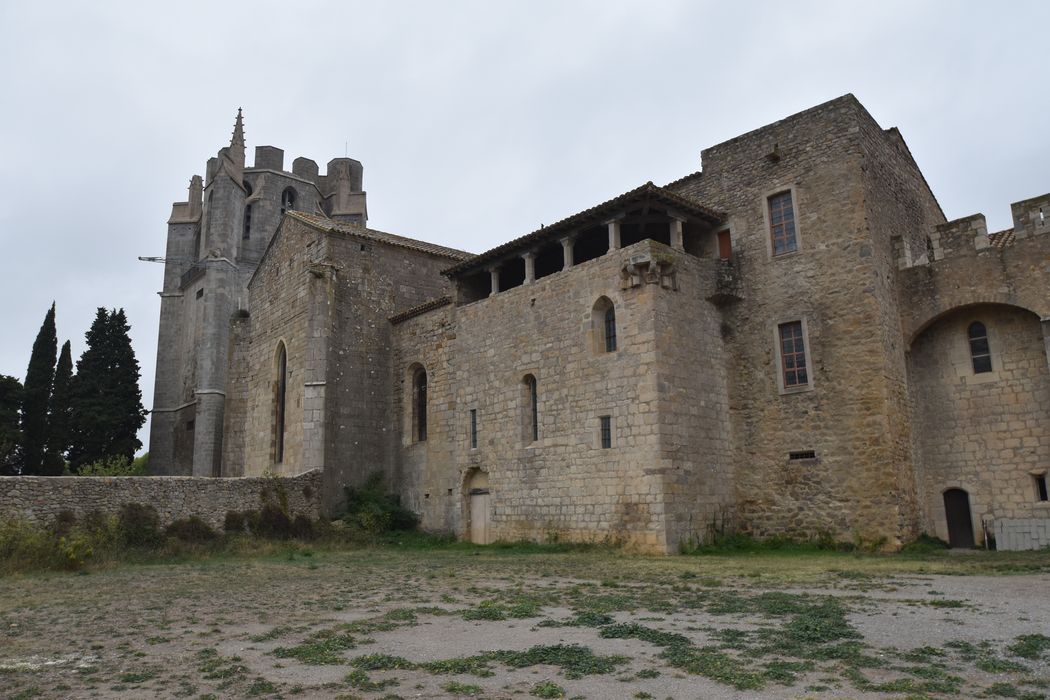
{"points": [[792, 340]]}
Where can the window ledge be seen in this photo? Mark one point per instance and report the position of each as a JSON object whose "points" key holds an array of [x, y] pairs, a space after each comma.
{"points": [[796, 390], [982, 378], [781, 256]]}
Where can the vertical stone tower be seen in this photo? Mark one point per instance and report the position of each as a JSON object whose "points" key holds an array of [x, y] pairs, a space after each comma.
{"points": [[215, 241]]}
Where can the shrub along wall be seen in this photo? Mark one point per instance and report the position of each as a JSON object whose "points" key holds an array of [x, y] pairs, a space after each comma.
{"points": [[39, 499]]}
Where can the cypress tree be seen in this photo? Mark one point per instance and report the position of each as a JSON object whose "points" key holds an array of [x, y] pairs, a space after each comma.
{"points": [[36, 395], [59, 414], [128, 412], [10, 433], [106, 401]]}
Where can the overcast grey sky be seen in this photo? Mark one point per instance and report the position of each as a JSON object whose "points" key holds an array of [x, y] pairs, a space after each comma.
{"points": [[475, 121]]}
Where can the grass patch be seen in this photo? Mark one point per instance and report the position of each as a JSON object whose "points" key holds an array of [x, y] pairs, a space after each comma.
{"points": [[382, 662], [214, 666], [323, 649], [261, 686], [547, 689], [479, 666], [574, 660], [457, 688], [494, 610], [359, 680], [273, 634], [936, 682], [582, 619], [984, 657], [137, 676], [1030, 646]]}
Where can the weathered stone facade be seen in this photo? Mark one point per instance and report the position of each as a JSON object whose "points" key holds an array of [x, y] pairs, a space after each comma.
{"points": [[38, 499], [621, 375]]}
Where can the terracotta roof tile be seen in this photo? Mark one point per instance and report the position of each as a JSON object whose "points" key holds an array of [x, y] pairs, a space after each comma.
{"points": [[421, 309], [1001, 239], [647, 192], [333, 226]]}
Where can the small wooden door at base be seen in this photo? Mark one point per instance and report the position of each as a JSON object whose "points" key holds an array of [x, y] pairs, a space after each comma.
{"points": [[479, 516]]}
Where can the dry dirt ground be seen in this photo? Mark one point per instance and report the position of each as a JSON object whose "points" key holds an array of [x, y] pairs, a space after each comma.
{"points": [[466, 622]]}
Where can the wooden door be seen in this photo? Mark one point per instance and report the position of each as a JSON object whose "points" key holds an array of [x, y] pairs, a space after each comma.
{"points": [[479, 516], [725, 245], [960, 524]]}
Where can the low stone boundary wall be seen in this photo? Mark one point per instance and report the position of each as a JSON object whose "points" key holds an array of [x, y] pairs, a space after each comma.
{"points": [[38, 499], [1013, 534]]}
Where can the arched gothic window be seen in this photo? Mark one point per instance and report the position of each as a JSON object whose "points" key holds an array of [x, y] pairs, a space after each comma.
{"points": [[280, 397], [288, 200], [247, 223], [603, 324], [419, 404], [980, 352]]}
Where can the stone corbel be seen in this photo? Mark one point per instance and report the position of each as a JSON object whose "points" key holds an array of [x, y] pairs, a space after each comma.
{"points": [[635, 271], [665, 272]]}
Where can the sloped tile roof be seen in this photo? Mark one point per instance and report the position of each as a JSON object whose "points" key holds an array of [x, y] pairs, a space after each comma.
{"points": [[421, 309], [332, 226], [1001, 239], [646, 193]]}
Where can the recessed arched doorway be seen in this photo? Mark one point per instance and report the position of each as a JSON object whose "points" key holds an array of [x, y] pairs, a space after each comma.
{"points": [[479, 507], [960, 523]]}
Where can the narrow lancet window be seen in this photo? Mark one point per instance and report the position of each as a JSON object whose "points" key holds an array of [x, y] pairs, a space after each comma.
{"points": [[280, 397], [603, 326], [980, 351], [532, 409], [288, 200], [247, 223], [419, 404]]}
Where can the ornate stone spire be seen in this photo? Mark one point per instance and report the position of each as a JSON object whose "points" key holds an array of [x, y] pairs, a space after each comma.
{"points": [[238, 131], [237, 145]]}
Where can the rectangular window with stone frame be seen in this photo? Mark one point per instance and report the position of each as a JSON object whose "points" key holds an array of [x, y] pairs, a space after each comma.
{"points": [[794, 368], [782, 223], [606, 431]]}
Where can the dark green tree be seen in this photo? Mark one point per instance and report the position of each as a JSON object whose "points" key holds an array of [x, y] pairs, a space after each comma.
{"points": [[10, 432], [59, 414], [106, 401], [36, 395]]}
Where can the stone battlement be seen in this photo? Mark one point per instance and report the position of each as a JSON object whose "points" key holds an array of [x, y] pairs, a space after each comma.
{"points": [[969, 235]]}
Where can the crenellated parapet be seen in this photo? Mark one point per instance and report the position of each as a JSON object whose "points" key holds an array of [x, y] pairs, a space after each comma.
{"points": [[966, 266], [1031, 216], [969, 235]]}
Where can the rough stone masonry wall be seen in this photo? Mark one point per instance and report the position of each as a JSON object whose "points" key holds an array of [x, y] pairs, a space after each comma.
{"points": [[280, 298], [375, 281], [988, 433], [899, 207], [39, 499], [1017, 274], [695, 458], [564, 484], [829, 284]]}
